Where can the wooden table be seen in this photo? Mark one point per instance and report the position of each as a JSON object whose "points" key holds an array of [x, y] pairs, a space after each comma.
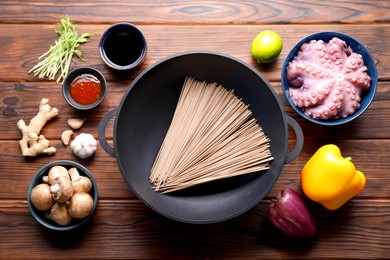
{"points": [[122, 226]]}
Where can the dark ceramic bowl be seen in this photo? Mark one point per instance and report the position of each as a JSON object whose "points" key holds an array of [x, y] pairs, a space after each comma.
{"points": [[78, 72], [40, 215], [357, 47], [123, 46]]}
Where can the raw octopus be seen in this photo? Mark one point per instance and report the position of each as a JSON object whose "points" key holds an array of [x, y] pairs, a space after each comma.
{"points": [[327, 79]]}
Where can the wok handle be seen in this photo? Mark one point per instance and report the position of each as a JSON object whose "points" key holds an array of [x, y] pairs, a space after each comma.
{"points": [[299, 139], [102, 133]]}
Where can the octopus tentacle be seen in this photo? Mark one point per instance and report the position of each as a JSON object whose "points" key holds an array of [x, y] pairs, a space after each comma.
{"points": [[308, 97]]}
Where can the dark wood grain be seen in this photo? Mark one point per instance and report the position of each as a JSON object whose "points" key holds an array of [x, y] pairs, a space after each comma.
{"points": [[111, 184], [198, 12], [21, 100], [128, 229], [122, 226], [19, 56]]}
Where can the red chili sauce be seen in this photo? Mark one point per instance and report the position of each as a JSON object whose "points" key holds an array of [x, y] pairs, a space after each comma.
{"points": [[85, 89]]}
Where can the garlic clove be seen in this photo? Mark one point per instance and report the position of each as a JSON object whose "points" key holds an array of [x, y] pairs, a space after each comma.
{"points": [[76, 123], [66, 136]]}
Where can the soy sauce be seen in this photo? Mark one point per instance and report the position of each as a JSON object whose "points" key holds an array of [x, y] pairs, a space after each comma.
{"points": [[123, 46]]}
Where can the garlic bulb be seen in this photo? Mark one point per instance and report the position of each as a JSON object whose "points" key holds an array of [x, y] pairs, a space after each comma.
{"points": [[84, 145]]}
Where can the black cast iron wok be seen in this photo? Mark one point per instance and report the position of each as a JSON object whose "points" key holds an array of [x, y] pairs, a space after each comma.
{"points": [[144, 115]]}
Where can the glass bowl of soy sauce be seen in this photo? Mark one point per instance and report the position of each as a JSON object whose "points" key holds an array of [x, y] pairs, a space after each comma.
{"points": [[123, 46]]}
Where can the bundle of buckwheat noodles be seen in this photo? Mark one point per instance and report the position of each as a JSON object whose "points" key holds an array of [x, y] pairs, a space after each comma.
{"points": [[212, 136]]}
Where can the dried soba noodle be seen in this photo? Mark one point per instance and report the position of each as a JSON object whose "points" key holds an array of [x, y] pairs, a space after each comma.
{"points": [[212, 136]]}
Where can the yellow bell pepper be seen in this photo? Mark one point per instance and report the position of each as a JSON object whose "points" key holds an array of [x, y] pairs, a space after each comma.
{"points": [[330, 179]]}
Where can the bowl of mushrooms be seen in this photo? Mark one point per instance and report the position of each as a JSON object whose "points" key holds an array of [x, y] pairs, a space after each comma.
{"points": [[62, 195]]}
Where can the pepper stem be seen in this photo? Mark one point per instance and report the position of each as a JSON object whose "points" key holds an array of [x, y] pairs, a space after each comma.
{"points": [[349, 158]]}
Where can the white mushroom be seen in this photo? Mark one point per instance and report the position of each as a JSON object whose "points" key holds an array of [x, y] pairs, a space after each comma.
{"points": [[54, 173], [59, 214], [41, 198], [80, 205], [80, 183], [61, 189]]}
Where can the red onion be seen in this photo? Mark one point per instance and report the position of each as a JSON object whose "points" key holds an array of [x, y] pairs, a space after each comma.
{"points": [[290, 214]]}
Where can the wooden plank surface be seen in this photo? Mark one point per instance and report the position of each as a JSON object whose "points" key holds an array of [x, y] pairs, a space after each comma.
{"points": [[19, 56], [127, 229], [122, 226], [198, 12]]}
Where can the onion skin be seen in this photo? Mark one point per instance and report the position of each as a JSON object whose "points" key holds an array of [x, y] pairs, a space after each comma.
{"points": [[290, 214]]}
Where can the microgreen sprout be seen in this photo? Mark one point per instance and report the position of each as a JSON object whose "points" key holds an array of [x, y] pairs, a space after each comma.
{"points": [[59, 56]]}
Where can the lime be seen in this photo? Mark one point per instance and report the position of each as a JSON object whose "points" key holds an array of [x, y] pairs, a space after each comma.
{"points": [[266, 46]]}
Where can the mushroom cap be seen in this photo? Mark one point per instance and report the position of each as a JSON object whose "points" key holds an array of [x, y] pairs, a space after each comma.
{"points": [[62, 189], [54, 173], [80, 183], [83, 184], [80, 205], [41, 198], [59, 214]]}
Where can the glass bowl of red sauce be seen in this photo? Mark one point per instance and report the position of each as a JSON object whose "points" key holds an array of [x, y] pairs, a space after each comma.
{"points": [[84, 88]]}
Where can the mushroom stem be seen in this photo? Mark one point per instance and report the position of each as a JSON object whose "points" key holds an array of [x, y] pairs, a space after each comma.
{"points": [[80, 183], [55, 188], [74, 174], [62, 189]]}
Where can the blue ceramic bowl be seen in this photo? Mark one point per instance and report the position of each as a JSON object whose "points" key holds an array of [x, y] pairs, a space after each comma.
{"points": [[40, 216], [123, 46], [357, 47]]}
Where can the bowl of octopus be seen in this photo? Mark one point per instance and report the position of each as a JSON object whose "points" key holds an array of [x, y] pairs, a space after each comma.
{"points": [[62, 195], [329, 78]]}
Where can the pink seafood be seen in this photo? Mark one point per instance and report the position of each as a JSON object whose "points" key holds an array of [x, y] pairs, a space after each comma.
{"points": [[327, 79]]}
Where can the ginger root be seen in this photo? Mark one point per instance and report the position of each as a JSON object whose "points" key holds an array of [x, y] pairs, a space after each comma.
{"points": [[32, 143]]}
